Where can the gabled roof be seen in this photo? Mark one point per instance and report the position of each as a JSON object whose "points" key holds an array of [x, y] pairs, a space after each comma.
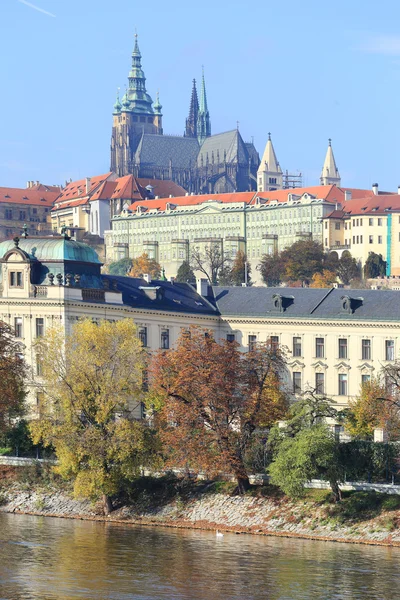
{"points": [[158, 150], [161, 204], [29, 196], [77, 189], [230, 142]]}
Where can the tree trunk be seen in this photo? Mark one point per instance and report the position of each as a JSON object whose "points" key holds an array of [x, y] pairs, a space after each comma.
{"points": [[107, 504], [243, 483], [337, 494]]}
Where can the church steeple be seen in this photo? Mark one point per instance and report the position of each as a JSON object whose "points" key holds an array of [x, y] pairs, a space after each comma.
{"points": [[191, 121], [330, 173], [138, 98], [203, 120], [269, 174]]}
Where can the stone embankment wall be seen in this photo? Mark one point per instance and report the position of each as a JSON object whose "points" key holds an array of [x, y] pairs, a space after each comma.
{"points": [[246, 514]]}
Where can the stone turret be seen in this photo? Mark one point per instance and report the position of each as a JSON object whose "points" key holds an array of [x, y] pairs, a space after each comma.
{"points": [[269, 174], [330, 173]]}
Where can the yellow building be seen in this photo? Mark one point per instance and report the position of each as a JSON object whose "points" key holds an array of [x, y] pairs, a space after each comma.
{"points": [[334, 340], [364, 225]]}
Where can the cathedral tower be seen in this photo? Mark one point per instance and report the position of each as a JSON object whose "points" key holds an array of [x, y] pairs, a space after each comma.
{"points": [[269, 174], [191, 121], [132, 117], [203, 119], [330, 174]]}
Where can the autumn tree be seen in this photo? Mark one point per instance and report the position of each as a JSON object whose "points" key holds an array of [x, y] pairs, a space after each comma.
{"points": [[373, 408], [92, 388], [272, 269], [120, 267], [302, 260], [210, 399], [241, 269], [210, 261], [374, 266], [143, 264], [323, 280], [13, 376], [185, 273]]}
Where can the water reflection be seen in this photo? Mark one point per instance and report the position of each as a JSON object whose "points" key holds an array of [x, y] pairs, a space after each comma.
{"points": [[46, 559]]}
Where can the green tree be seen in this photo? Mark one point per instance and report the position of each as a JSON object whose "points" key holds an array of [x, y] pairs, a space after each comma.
{"points": [[120, 267], [185, 273], [93, 384], [272, 269], [302, 260], [348, 268], [374, 266], [313, 452], [305, 447]]}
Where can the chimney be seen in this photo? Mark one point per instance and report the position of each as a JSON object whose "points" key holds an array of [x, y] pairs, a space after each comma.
{"points": [[375, 187], [347, 195], [171, 196], [88, 179], [187, 194], [202, 287], [28, 184], [147, 277], [398, 189], [37, 182]]}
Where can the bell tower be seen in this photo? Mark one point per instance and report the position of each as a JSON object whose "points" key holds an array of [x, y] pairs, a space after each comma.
{"points": [[132, 117]]}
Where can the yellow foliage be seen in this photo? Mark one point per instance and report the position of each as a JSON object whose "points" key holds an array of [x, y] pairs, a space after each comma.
{"points": [[93, 382], [323, 280], [143, 265]]}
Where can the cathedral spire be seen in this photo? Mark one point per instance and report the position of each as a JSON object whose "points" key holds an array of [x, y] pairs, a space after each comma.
{"points": [[330, 173], [138, 100], [203, 120], [191, 121]]}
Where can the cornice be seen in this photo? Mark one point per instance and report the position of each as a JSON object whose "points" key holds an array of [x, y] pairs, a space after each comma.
{"points": [[309, 323]]}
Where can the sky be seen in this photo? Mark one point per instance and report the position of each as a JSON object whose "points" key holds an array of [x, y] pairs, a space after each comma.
{"points": [[304, 71]]}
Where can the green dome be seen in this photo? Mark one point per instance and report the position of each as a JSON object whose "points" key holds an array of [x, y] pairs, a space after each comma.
{"points": [[59, 249]]}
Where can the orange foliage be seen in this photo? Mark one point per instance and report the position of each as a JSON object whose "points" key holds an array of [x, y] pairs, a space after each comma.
{"points": [[212, 398], [323, 280], [143, 265]]}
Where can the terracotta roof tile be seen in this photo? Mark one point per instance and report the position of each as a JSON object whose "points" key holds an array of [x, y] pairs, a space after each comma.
{"points": [[77, 189], [161, 204], [163, 188], [27, 196]]}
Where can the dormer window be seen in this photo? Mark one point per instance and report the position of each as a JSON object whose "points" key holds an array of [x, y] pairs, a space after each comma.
{"points": [[16, 279]]}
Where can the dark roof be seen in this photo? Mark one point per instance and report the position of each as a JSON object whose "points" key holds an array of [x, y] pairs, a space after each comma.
{"points": [[175, 297], [158, 150], [366, 305], [230, 142]]}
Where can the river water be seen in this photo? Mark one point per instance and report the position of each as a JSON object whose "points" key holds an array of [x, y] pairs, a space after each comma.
{"points": [[47, 558]]}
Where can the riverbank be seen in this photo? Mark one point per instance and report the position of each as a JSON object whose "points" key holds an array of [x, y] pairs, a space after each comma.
{"points": [[362, 517]]}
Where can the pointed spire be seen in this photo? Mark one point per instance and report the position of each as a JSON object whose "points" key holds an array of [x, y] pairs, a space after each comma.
{"points": [[136, 98], [269, 174], [330, 173], [191, 121], [269, 160], [157, 105], [203, 121], [117, 105]]}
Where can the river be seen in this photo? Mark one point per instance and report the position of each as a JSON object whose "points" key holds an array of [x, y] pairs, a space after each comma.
{"points": [[47, 559]]}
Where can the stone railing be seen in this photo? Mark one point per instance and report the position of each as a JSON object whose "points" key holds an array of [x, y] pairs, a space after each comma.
{"points": [[40, 291], [93, 295]]}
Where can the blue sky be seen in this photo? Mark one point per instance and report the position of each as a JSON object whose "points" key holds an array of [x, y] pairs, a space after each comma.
{"points": [[305, 71]]}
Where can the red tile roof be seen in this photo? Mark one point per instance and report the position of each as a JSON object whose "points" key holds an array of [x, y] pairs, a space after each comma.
{"points": [[161, 204], [380, 204], [77, 189], [46, 188], [27, 196], [163, 188]]}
